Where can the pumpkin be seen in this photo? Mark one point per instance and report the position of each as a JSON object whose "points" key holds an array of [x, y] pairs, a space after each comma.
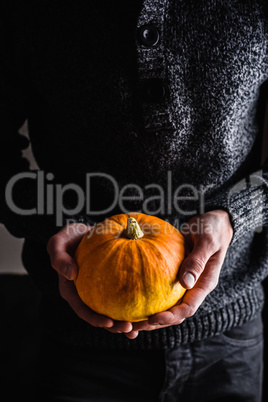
{"points": [[128, 267]]}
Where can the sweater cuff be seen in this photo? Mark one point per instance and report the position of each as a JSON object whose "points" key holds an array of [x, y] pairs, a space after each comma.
{"points": [[247, 205], [248, 211]]}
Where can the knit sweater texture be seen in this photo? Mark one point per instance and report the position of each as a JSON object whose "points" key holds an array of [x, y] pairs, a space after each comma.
{"points": [[163, 92]]}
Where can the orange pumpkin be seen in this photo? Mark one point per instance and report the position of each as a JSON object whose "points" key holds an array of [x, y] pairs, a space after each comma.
{"points": [[128, 267]]}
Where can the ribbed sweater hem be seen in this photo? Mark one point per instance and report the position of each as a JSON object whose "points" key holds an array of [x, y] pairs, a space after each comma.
{"points": [[196, 328]]}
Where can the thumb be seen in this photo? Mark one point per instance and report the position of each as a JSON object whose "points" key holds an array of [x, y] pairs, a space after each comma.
{"points": [[59, 247], [193, 266], [64, 264]]}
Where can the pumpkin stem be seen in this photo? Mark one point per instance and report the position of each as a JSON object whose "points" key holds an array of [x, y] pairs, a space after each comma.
{"points": [[133, 231]]}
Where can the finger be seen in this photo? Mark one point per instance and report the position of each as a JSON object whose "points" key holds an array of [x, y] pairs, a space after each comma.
{"points": [[193, 265], [165, 318], [193, 298], [190, 304], [69, 293], [140, 325], [64, 264], [143, 326], [121, 326], [132, 334]]}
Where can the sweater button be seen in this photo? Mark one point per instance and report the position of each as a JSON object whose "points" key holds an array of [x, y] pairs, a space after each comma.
{"points": [[153, 90], [148, 35]]}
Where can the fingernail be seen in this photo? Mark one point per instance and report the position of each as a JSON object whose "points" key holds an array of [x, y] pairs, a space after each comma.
{"points": [[189, 279], [68, 271]]}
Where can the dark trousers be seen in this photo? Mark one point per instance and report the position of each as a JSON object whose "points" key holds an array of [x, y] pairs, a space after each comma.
{"points": [[227, 367]]}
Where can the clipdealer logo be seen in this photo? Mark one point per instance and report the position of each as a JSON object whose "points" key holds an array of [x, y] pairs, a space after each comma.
{"points": [[50, 196], [170, 200]]}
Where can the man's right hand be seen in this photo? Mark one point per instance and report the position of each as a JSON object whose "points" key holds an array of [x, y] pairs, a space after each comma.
{"points": [[61, 249]]}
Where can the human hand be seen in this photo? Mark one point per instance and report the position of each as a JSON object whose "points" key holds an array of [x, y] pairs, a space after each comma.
{"points": [[207, 239], [61, 249]]}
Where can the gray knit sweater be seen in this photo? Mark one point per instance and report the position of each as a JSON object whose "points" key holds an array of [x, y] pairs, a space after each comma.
{"points": [[168, 95]]}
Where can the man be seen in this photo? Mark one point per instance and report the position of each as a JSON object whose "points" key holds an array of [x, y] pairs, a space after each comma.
{"points": [[155, 106]]}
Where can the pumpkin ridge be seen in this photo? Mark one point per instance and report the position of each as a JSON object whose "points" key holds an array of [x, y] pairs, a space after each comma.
{"points": [[143, 273]]}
